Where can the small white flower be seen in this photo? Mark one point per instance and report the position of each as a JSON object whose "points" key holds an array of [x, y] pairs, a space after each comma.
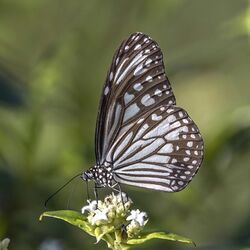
{"points": [[122, 198], [100, 215], [138, 216], [91, 207]]}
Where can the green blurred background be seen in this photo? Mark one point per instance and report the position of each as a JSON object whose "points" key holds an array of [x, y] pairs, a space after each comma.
{"points": [[54, 56]]}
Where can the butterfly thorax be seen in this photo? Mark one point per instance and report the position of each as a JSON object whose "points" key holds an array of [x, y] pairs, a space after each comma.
{"points": [[101, 174]]}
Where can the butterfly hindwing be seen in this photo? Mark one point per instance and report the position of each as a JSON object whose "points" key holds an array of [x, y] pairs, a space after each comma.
{"points": [[135, 83], [162, 150]]}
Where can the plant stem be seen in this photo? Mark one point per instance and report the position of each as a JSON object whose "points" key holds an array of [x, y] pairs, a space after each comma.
{"points": [[110, 242]]}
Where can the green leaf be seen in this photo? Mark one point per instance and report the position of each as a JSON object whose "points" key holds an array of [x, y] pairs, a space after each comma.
{"points": [[72, 217], [159, 235], [101, 231]]}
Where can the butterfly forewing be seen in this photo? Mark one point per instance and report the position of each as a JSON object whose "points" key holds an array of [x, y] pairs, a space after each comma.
{"points": [[162, 150], [135, 83]]}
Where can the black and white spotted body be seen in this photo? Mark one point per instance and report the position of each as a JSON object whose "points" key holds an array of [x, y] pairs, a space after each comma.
{"points": [[101, 174]]}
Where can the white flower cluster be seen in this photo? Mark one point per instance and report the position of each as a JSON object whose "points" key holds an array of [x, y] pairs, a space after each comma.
{"points": [[115, 211]]}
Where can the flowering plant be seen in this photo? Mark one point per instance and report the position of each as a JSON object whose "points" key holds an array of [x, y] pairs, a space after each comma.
{"points": [[113, 221]]}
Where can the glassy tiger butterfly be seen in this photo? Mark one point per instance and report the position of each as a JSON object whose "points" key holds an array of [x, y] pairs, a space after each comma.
{"points": [[142, 138]]}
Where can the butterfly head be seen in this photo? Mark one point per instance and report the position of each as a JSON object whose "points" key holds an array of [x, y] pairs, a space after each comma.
{"points": [[87, 175]]}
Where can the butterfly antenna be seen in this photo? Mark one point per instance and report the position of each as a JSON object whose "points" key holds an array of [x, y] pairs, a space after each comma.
{"points": [[57, 191]]}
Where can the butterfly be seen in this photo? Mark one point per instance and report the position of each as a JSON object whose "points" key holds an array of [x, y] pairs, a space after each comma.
{"points": [[142, 138]]}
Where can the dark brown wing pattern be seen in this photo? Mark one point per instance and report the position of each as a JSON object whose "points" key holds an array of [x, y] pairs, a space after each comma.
{"points": [[141, 133], [135, 83], [162, 150]]}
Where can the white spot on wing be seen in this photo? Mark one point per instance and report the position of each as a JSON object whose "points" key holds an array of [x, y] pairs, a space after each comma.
{"points": [[138, 87], [147, 100], [106, 90], [149, 78], [158, 92], [157, 159], [139, 70], [170, 111], [171, 118], [175, 125], [174, 135], [131, 111], [148, 61], [173, 160], [138, 46], [156, 118], [140, 121], [117, 61], [111, 76], [128, 97], [168, 148]]}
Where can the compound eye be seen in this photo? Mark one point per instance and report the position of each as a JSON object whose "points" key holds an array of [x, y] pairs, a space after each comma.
{"points": [[89, 175]]}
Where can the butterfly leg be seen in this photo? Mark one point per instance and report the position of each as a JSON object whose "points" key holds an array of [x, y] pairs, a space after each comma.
{"points": [[96, 187], [96, 194], [119, 190]]}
